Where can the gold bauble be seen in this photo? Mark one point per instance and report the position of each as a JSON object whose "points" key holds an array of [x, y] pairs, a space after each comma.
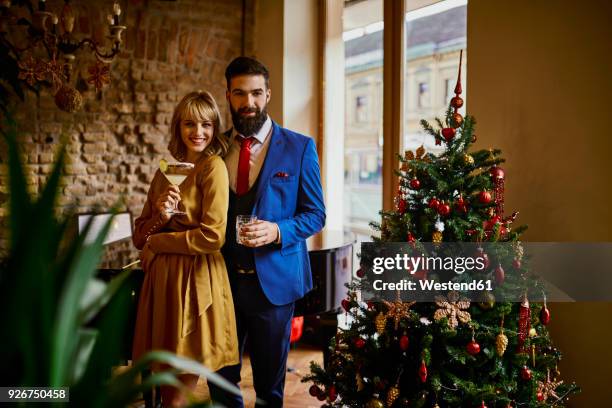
{"points": [[380, 322], [501, 342], [468, 160], [436, 237], [68, 99], [392, 395], [375, 403], [533, 332], [488, 301]]}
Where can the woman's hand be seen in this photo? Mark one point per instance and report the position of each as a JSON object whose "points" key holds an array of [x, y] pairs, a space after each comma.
{"points": [[168, 200]]}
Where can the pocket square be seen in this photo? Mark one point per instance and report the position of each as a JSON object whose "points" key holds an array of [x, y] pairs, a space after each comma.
{"points": [[281, 174]]}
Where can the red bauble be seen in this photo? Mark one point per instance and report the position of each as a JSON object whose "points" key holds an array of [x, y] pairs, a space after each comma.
{"points": [[488, 225], [359, 342], [404, 342], [332, 394], [314, 390], [540, 396], [473, 348], [433, 203], [401, 206], [360, 273], [497, 173], [544, 315], [421, 275], [415, 184], [482, 405], [346, 304], [484, 197], [456, 102], [457, 120], [461, 204], [448, 133], [525, 373], [516, 263], [410, 237], [480, 253], [444, 209], [423, 371], [321, 396], [500, 274], [371, 305]]}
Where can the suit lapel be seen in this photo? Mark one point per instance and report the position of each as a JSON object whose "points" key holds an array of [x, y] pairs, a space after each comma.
{"points": [[275, 152]]}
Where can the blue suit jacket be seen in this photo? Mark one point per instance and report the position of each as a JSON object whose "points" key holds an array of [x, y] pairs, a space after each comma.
{"points": [[288, 193]]}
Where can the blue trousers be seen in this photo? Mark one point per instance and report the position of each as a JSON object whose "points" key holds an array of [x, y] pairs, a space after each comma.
{"points": [[268, 329]]}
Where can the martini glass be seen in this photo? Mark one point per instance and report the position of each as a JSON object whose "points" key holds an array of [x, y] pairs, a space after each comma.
{"points": [[176, 173]]}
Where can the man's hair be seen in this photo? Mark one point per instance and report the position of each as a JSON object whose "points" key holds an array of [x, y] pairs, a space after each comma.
{"points": [[245, 66]]}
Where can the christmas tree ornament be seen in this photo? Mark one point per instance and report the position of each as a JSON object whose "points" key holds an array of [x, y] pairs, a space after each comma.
{"points": [[516, 263], [501, 343], [375, 403], [360, 273], [484, 197], [448, 133], [456, 102], [401, 206], [359, 382], [498, 175], [423, 371], [436, 237], [410, 237], [332, 394], [487, 300], [532, 332], [346, 304], [544, 313], [526, 373], [461, 204], [392, 395], [404, 341], [457, 120], [524, 322], [380, 322], [433, 203], [415, 184], [547, 389], [453, 308], [474, 138], [322, 396], [314, 390], [398, 310], [468, 159], [482, 405], [472, 347], [359, 343], [500, 274], [68, 99], [444, 209]]}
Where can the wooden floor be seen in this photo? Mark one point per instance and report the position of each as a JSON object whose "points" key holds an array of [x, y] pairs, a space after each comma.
{"points": [[296, 392]]}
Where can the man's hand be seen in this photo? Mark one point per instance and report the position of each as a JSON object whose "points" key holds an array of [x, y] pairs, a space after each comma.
{"points": [[259, 233], [168, 200]]}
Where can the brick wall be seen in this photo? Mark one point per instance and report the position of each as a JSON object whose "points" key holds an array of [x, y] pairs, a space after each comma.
{"points": [[116, 140]]}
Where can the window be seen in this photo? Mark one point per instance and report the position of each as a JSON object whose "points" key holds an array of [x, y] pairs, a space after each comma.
{"points": [[361, 109], [435, 34], [363, 47]]}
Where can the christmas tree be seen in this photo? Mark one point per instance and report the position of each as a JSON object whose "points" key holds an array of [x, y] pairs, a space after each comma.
{"points": [[452, 352]]}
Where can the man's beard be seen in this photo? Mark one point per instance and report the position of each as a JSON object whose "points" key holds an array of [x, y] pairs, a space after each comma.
{"points": [[249, 126]]}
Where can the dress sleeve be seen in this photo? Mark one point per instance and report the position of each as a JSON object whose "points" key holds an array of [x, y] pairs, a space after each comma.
{"points": [[210, 235], [149, 221]]}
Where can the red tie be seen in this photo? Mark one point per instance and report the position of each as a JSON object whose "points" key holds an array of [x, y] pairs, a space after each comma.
{"points": [[242, 182]]}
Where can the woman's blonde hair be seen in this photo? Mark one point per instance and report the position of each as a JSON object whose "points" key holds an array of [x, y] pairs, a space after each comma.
{"points": [[200, 106]]}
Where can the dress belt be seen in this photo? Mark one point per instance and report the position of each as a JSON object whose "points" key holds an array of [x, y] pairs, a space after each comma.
{"points": [[244, 271]]}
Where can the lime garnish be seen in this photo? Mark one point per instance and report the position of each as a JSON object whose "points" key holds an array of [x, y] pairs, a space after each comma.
{"points": [[163, 165]]}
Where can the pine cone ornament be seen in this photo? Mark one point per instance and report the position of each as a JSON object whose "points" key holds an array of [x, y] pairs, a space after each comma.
{"points": [[392, 395], [501, 342], [380, 322]]}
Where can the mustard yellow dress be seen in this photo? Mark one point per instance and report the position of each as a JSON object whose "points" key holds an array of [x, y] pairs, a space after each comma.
{"points": [[185, 303]]}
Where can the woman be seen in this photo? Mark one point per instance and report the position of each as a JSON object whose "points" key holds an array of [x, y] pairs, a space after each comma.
{"points": [[185, 302]]}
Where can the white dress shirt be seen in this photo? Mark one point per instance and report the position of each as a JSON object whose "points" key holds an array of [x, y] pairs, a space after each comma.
{"points": [[259, 149]]}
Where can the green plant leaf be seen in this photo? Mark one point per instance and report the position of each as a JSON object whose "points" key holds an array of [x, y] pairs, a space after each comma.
{"points": [[98, 294]]}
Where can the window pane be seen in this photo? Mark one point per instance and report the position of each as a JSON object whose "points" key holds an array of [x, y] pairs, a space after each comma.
{"points": [[363, 44], [435, 33]]}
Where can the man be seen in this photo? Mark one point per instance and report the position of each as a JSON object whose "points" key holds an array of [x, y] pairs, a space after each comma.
{"points": [[274, 175]]}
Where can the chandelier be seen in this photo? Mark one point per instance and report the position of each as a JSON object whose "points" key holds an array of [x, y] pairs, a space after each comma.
{"points": [[44, 48]]}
